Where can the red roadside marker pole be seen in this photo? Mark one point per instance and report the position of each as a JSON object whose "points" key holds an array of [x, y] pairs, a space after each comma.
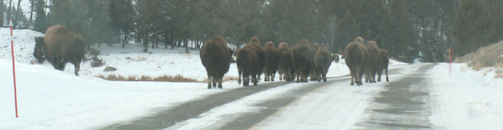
{"points": [[13, 65]]}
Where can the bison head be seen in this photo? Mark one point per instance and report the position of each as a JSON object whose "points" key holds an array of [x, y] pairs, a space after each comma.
{"points": [[38, 53]]}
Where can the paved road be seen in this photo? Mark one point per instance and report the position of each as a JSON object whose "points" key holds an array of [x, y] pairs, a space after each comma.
{"points": [[192, 109], [403, 104]]}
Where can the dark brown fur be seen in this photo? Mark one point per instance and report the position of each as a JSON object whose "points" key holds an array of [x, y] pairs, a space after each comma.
{"points": [[251, 60], [355, 56], [39, 49], [216, 57], [285, 67], [373, 61], [323, 60], [383, 65], [61, 46], [303, 60], [314, 48], [272, 60]]}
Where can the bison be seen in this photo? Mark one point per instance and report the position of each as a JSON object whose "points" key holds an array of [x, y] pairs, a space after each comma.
{"points": [[285, 67], [272, 60], [335, 58], [383, 65], [216, 57], [303, 60], [314, 48], [250, 61], [356, 55], [372, 61], [322, 60], [60, 46]]}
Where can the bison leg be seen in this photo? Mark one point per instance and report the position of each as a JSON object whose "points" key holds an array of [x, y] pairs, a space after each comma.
{"points": [[353, 75], [266, 75], [387, 79], [239, 77], [379, 73], [325, 75], [298, 74], [214, 81], [280, 73], [359, 75], [254, 79], [272, 76], [220, 83], [77, 68], [209, 81]]}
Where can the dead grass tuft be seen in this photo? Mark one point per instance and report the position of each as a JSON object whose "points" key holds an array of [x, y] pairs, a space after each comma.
{"points": [[164, 78], [498, 70]]}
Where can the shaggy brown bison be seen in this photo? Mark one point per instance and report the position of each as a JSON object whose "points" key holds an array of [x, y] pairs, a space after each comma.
{"points": [[272, 60], [60, 46], [303, 60], [356, 56], [250, 61], [383, 65], [314, 48], [322, 60], [373, 61], [285, 67], [216, 57]]}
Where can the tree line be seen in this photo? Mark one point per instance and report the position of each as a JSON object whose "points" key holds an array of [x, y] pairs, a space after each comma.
{"points": [[408, 29]]}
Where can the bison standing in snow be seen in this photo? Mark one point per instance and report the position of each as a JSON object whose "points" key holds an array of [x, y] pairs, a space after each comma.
{"points": [[272, 60], [250, 60], [60, 46], [314, 48], [323, 60], [383, 64], [356, 55], [216, 57], [286, 69], [303, 60], [372, 61]]}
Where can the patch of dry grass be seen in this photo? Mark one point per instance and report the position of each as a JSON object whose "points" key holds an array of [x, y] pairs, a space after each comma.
{"points": [[484, 57], [164, 78], [498, 70]]}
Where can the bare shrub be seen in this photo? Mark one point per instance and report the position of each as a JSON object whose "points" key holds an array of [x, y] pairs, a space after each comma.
{"points": [[95, 60]]}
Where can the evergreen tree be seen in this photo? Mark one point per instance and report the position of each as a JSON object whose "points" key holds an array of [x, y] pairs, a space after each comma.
{"points": [[40, 18], [477, 24], [1, 13]]}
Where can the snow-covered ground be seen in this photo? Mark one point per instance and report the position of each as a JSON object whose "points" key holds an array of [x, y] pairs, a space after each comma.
{"points": [[466, 99], [51, 99]]}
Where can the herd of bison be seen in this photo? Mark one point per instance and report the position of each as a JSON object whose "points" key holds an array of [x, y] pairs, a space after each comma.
{"points": [[300, 62], [292, 63]]}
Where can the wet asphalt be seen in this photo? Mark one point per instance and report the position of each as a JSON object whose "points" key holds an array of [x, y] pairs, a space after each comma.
{"points": [[403, 104]]}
